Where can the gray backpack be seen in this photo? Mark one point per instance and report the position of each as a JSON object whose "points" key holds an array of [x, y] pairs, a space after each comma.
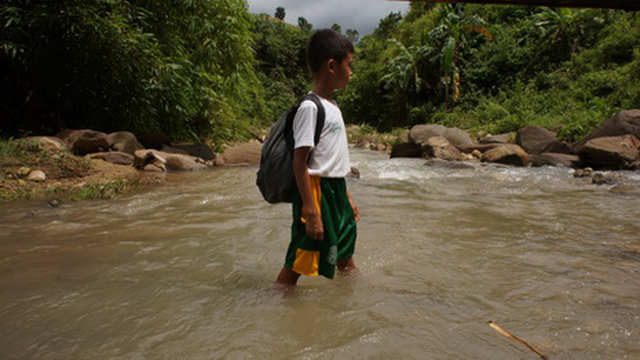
{"points": [[275, 176]]}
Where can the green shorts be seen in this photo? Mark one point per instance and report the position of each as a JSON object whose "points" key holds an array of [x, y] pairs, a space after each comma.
{"points": [[311, 257]]}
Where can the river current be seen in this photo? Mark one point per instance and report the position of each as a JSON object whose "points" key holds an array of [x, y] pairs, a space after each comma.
{"points": [[185, 270]]}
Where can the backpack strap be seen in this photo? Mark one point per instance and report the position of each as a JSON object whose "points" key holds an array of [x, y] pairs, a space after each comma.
{"points": [[321, 115]]}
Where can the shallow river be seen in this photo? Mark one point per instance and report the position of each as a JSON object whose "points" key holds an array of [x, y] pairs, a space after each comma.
{"points": [[184, 271]]}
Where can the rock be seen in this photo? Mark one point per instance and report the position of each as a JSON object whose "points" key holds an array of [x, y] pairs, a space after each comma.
{"points": [[580, 173], [534, 139], [476, 154], [37, 176], [616, 152], [626, 122], [554, 159], [508, 154], [154, 140], [602, 179], [173, 150], [199, 150], [481, 148], [24, 171], [558, 147], [241, 154], [420, 134], [82, 142], [124, 141], [497, 139], [114, 157], [47, 142], [406, 150], [439, 147], [179, 162]]}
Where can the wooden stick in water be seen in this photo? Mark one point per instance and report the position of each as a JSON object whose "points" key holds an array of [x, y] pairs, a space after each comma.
{"points": [[505, 333]]}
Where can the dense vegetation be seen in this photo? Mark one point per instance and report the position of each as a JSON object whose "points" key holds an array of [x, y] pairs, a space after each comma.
{"points": [[209, 70], [495, 69]]}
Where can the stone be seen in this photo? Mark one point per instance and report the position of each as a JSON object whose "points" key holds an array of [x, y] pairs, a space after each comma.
{"points": [[179, 162], [199, 150], [173, 150], [82, 142], [24, 171], [534, 139], [508, 154], [241, 154], [37, 176], [406, 150], [626, 122], [497, 139], [558, 147], [47, 142], [602, 179], [114, 157], [554, 159], [154, 140], [580, 173], [615, 152], [439, 147], [420, 134], [124, 141]]}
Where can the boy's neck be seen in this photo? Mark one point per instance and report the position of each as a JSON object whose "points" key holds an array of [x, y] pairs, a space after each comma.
{"points": [[322, 90]]}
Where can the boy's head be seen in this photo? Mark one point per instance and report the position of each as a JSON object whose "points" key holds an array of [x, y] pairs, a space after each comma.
{"points": [[327, 45]]}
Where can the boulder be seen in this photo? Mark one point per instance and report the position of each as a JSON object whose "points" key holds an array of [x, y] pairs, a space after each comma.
{"points": [[241, 154], [558, 147], [441, 148], [554, 159], [82, 142], [481, 148], [199, 150], [626, 122], [179, 162], [37, 176], [406, 150], [114, 157], [47, 142], [508, 154], [154, 140], [124, 141], [497, 139], [613, 152], [533, 139], [173, 150], [420, 134]]}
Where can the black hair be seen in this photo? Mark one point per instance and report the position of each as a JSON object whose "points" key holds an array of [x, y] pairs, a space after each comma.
{"points": [[325, 45]]}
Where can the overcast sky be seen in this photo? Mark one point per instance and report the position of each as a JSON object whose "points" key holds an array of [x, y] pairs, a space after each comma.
{"points": [[362, 15]]}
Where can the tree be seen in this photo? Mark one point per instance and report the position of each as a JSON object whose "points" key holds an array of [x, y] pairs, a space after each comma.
{"points": [[304, 24], [451, 37], [353, 35], [337, 28], [280, 13]]}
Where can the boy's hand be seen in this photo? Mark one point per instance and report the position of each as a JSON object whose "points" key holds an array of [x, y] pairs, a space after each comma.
{"points": [[354, 207], [313, 226]]}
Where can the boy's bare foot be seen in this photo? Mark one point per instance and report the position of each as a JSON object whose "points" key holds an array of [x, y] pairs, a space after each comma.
{"points": [[347, 267]]}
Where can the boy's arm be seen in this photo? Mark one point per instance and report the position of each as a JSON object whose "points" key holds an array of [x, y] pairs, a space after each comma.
{"points": [[356, 212], [312, 215]]}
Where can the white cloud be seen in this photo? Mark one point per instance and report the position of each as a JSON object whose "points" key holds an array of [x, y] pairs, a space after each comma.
{"points": [[362, 15]]}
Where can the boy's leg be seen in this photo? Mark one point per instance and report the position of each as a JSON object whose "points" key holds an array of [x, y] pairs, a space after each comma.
{"points": [[287, 277], [347, 267]]}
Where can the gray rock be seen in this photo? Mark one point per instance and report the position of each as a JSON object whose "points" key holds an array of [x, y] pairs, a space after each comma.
{"points": [[554, 159], [199, 150], [179, 162], [534, 139], [420, 134], [241, 154], [406, 150], [82, 142], [124, 141], [558, 147], [154, 140], [439, 147], [497, 139], [508, 154], [626, 122], [616, 152]]}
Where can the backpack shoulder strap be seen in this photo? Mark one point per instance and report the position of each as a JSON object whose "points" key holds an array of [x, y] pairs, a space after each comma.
{"points": [[321, 115]]}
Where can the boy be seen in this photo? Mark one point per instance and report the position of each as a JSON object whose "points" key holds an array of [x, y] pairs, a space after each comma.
{"points": [[324, 231]]}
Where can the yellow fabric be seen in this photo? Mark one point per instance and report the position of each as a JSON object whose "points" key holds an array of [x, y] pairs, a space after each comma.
{"points": [[317, 195], [307, 262]]}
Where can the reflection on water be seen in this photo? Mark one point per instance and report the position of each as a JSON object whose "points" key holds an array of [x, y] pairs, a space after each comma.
{"points": [[184, 271]]}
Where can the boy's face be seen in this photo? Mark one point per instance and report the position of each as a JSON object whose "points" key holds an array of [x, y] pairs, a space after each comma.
{"points": [[342, 72]]}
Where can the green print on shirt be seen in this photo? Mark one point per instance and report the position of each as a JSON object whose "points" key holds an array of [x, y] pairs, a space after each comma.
{"points": [[333, 127]]}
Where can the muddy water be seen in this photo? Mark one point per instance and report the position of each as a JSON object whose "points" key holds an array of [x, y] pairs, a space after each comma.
{"points": [[184, 271]]}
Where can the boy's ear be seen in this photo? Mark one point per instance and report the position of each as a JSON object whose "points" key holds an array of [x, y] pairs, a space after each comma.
{"points": [[331, 63]]}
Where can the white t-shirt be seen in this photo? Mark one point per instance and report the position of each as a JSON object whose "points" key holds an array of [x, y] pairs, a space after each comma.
{"points": [[330, 157]]}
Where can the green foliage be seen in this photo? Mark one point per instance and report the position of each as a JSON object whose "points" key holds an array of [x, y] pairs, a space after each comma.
{"points": [[567, 70], [178, 66]]}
